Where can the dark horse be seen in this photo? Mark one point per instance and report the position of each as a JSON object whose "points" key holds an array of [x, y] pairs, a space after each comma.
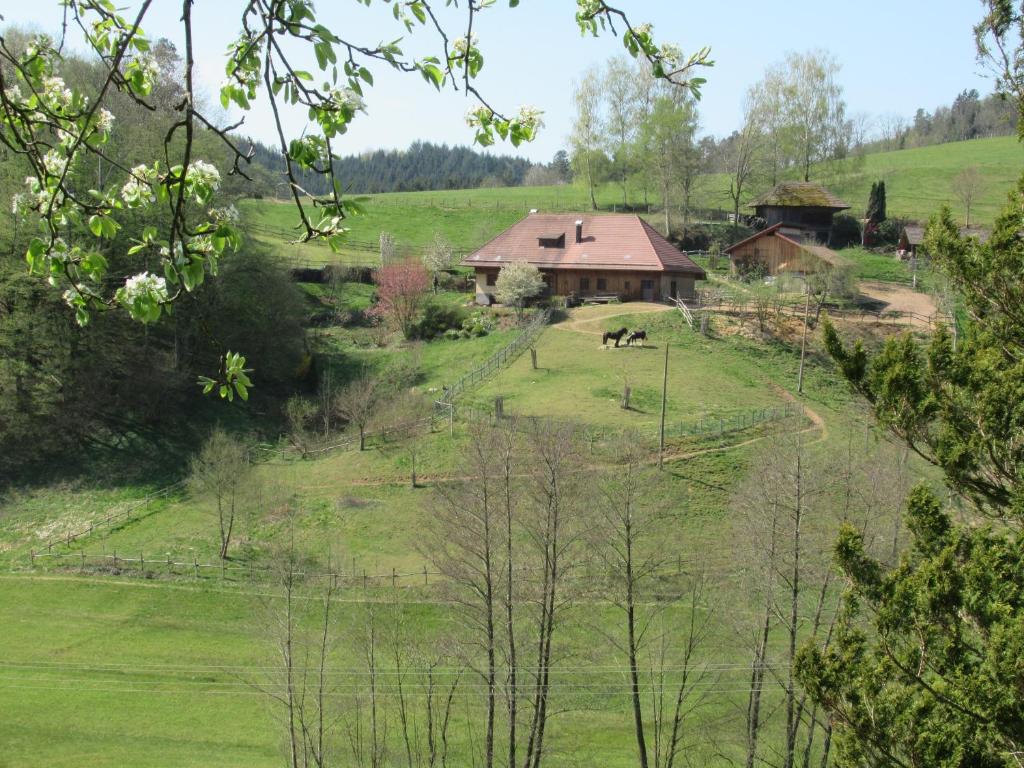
{"points": [[640, 335], [617, 335]]}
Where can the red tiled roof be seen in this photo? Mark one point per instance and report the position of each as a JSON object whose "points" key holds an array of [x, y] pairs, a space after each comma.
{"points": [[609, 242]]}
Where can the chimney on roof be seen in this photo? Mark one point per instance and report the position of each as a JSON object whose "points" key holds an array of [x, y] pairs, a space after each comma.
{"points": [[579, 231]]}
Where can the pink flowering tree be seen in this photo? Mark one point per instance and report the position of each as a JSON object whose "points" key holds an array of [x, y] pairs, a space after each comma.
{"points": [[401, 291]]}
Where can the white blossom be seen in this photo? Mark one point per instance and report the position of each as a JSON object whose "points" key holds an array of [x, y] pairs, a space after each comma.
{"points": [[54, 163], [178, 252], [671, 54], [20, 203], [643, 30], [347, 98], [228, 214], [478, 115], [201, 244], [105, 121], [56, 92], [461, 46], [150, 69], [201, 173], [529, 116], [138, 190], [144, 286]]}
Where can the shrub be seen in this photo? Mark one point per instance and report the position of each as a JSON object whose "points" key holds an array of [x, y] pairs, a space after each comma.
{"points": [[888, 232], [437, 318], [845, 231], [480, 323]]}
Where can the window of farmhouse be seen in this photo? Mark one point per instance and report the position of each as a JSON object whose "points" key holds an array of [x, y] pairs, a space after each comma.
{"points": [[492, 279], [602, 284], [584, 283]]}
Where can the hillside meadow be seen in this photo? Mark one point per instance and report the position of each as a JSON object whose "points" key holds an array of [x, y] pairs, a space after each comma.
{"points": [[118, 651], [166, 670]]}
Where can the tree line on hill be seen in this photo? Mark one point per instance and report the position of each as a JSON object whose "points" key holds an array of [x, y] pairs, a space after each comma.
{"points": [[423, 166]]}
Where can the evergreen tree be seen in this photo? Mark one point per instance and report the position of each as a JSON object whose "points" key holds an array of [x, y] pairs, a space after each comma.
{"points": [[925, 668]]}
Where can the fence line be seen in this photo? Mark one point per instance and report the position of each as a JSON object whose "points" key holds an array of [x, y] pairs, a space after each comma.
{"points": [[394, 578], [705, 426], [796, 307], [529, 335], [112, 518]]}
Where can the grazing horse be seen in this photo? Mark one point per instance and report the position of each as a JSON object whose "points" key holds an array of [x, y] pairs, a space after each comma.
{"points": [[617, 335], [639, 335]]}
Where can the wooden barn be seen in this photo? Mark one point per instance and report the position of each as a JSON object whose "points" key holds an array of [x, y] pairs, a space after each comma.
{"points": [[912, 238], [589, 255], [801, 208], [777, 252]]}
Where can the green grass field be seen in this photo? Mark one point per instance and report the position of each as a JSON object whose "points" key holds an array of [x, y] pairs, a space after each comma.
{"points": [[111, 666], [918, 181]]}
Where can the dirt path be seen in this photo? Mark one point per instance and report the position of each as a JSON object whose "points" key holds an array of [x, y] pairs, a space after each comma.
{"points": [[899, 298], [590, 319]]}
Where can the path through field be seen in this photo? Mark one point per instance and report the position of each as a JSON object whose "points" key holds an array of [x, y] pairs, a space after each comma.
{"points": [[590, 319], [899, 298]]}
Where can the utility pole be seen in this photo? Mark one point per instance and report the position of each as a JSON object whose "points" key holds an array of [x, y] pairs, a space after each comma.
{"points": [[664, 397], [803, 342]]}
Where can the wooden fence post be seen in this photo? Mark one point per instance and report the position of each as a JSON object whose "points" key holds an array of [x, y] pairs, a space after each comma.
{"points": [[32, 557], [425, 575], [394, 579]]}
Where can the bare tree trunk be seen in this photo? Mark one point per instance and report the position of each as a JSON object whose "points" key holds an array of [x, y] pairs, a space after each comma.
{"points": [[792, 719], [758, 667]]}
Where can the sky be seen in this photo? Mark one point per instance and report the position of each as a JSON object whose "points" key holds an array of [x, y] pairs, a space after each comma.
{"points": [[896, 56]]}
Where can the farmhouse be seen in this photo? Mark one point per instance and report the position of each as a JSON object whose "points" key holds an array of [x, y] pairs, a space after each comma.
{"points": [[589, 255], [775, 251], [802, 208]]}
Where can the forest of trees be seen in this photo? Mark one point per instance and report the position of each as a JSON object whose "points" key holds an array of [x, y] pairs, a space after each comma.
{"points": [[423, 166]]}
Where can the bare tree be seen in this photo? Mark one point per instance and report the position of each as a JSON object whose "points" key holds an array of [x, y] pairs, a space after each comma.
{"points": [[744, 157], [587, 130], [553, 528], [221, 470], [357, 403], [620, 88], [627, 521], [388, 249], [892, 128], [967, 186], [301, 628], [467, 549]]}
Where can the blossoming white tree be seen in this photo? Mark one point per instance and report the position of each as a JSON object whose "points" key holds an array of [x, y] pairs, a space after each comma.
{"points": [[517, 283], [54, 129]]}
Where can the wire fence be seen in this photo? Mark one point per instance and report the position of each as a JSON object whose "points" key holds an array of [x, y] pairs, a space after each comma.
{"points": [[589, 576], [500, 358], [708, 426], [133, 511]]}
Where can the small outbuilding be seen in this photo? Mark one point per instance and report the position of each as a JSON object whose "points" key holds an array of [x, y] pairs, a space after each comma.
{"points": [[912, 238], [773, 251], [801, 208]]}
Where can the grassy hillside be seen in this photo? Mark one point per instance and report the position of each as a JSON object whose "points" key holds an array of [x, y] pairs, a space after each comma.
{"points": [[918, 181]]}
